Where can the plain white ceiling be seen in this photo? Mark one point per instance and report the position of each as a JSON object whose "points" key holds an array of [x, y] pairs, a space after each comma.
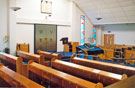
{"points": [[112, 11]]}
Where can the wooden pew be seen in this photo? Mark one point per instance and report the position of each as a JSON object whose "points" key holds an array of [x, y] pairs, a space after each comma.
{"points": [[61, 79], [114, 68], [90, 74], [128, 83], [28, 56], [108, 54], [48, 56], [9, 78], [13, 62], [130, 54]]}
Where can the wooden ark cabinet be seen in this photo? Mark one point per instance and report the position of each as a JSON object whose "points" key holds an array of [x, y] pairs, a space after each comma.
{"points": [[45, 38]]}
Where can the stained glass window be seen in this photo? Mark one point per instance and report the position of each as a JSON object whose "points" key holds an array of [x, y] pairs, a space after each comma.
{"points": [[82, 30], [94, 35]]}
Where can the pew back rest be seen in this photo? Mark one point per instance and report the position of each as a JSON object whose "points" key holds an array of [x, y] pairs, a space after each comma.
{"points": [[17, 61], [49, 56], [28, 56], [114, 68], [15, 79], [87, 73]]}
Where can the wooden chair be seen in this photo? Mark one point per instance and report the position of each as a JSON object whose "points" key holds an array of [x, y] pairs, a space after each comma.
{"points": [[132, 56], [23, 47], [108, 54]]}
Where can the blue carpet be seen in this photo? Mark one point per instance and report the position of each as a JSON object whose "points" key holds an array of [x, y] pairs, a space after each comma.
{"points": [[127, 64], [25, 63]]}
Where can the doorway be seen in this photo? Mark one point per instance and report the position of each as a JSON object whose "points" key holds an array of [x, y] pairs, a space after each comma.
{"points": [[108, 39]]}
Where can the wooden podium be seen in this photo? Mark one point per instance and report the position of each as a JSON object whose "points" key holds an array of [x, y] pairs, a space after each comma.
{"points": [[71, 49]]}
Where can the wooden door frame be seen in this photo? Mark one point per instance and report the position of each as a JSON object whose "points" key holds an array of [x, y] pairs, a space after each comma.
{"points": [[107, 34]]}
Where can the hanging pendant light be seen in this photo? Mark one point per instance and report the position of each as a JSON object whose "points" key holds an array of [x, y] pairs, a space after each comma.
{"points": [[99, 14], [15, 8], [98, 18]]}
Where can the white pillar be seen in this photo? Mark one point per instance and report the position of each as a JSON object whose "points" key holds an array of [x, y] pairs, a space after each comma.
{"points": [[12, 27]]}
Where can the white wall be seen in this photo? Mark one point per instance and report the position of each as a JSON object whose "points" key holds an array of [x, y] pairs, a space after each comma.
{"points": [[100, 35], [25, 34], [64, 13], [12, 27], [61, 13], [124, 33], [76, 25], [3, 22], [63, 32]]}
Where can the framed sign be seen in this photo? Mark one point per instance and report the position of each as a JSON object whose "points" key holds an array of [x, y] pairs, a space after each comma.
{"points": [[46, 6]]}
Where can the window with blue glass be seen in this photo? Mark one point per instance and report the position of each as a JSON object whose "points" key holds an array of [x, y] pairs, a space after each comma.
{"points": [[82, 30], [94, 35]]}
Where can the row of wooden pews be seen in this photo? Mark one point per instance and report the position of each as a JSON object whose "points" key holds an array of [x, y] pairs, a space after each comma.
{"points": [[9, 78], [29, 56], [49, 56], [68, 75], [59, 78], [114, 68], [87, 73], [56, 77], [43, 58]]}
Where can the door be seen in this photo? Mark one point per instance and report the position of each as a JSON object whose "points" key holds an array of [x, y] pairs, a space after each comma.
{"points": [[45, 38], [108, 39]]}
